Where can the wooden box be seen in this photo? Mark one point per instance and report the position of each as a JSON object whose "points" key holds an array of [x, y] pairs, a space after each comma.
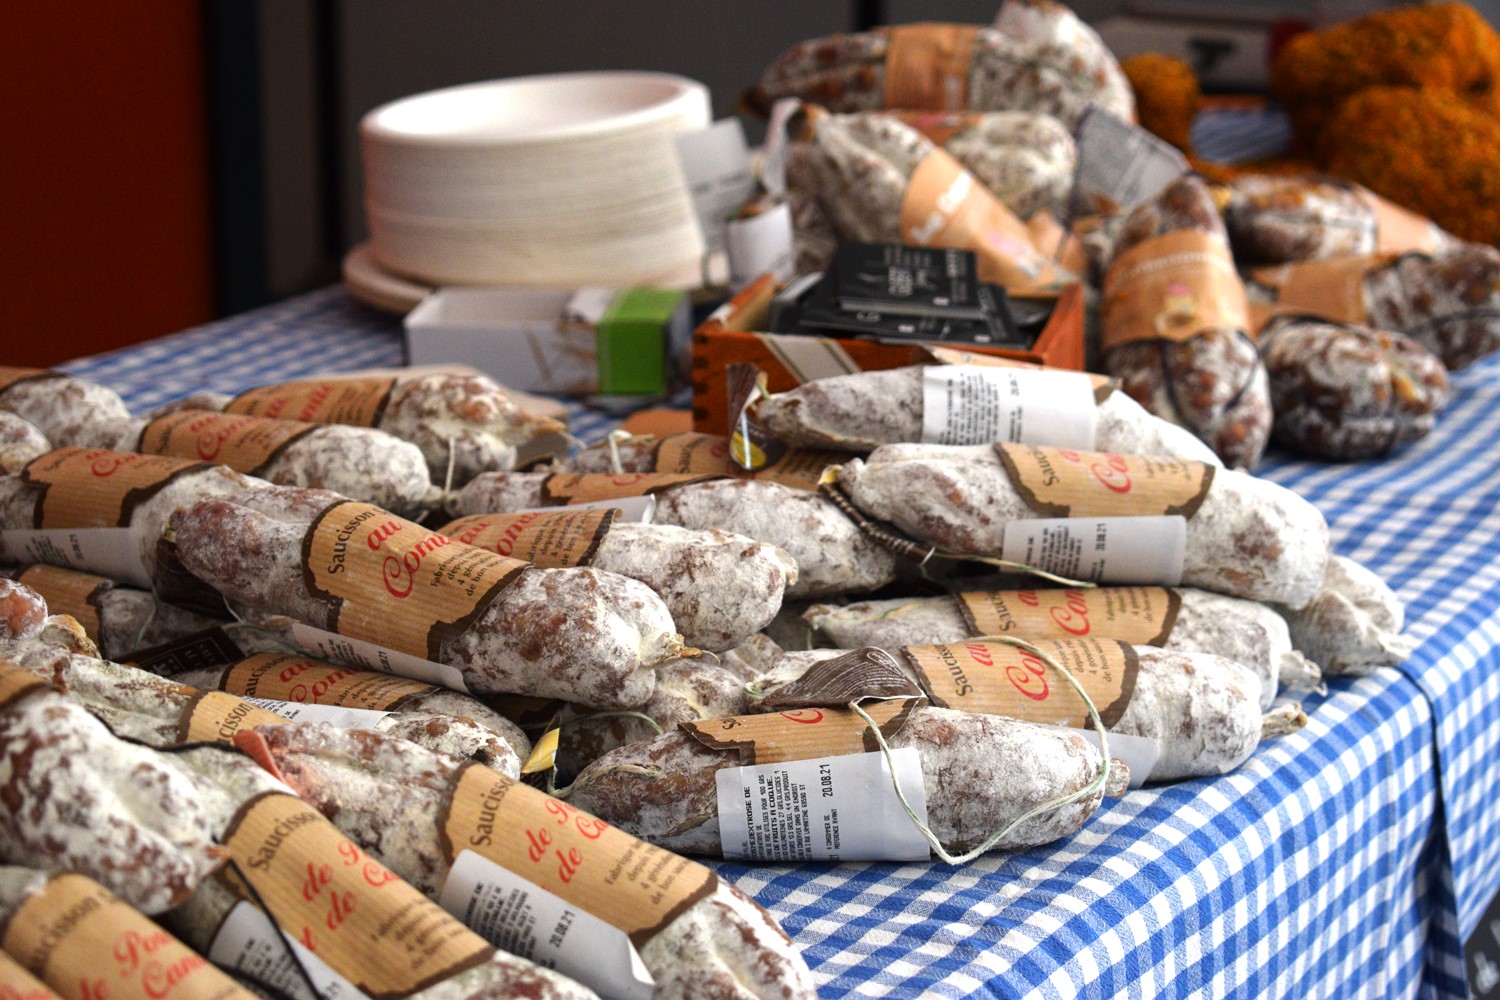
{"points": [[728, 337]]}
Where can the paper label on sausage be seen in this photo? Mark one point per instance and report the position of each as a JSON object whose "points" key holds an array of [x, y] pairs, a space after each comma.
{"points": [[1103, 385], [238, 440], [527, 920], [1060, 482], [370, 927], [1101, 549], [16, 681], [18, 984], [631, 886], [372, 656], [838, 808], [1172, 287], [84, 488], [1398, 230], [550, 539], [927, 65], [396, 584], [286, 677], [214, 716], [333, 715], [802, 733], [69, 592], [586, 487], [360, 402], [867, 672], [112, 552], [996, 678], [249, 942], [10, 376], [1142, 616], [973, 404], [944, 206], [87, 944], [1332, 289]]}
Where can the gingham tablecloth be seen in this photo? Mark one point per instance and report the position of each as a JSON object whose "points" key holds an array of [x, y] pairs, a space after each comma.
{"points": [[1346, 860]]}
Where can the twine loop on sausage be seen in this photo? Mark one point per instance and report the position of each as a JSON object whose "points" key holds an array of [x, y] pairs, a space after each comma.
{"points": [[616, 464], [921, 554], [1096, 786]]}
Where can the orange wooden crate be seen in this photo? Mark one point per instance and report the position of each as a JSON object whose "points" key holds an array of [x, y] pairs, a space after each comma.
{"points": [[729, 336]]}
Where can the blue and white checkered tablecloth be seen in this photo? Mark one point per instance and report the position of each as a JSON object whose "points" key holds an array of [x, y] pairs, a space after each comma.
{"points": [[1346, 860]]}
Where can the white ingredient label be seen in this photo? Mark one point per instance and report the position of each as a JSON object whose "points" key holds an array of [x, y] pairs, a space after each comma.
{"points": [[334, 715], [1138, 752], [249, 943], [527, 920], [111, 552], [715, 163], [1136, 550], [323, 645], [760, 244], [633, 510], [826, 809], [977, 404]]}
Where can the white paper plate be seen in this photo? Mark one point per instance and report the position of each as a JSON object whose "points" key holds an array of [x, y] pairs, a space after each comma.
{"points": [[371, 284]]}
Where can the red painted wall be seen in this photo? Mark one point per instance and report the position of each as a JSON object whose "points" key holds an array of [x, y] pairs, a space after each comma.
{"points": [[105, 227]]}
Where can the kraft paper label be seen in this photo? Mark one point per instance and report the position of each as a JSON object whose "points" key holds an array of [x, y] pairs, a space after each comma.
{"points": [[802, 733], [98, 489], [629, 884], [1398, 230], [545, 538], [927, 65], [284, 677], [87, 944], [360, 402], [592, 487], [237, 440], [18, 984], [215, 717], [944, 206], [1142, 616], [692, 453], [69, 592], [996, 678], [1058, 482], [17, 681], [1172, 287], [867, 672], [1331, 289], [396, 584], [344, 906], [10, 376]]}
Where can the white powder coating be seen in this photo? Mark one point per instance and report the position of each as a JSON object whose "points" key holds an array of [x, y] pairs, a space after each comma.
{"points": [[832, 555], [17, 885], [1250, 538], [1354, 623], [469, 414], [981, 772], [498, 493], [70, 411], [721, 587], [20, 442], [1026, 159], [389, 799], [81, 800]]}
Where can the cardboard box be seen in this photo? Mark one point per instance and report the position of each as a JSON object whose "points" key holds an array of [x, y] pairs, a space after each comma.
{"points": [[728, 337], [569, 343]]}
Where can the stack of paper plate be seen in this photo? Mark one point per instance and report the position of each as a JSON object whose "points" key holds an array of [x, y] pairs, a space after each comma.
{"points": [[568, 179]]}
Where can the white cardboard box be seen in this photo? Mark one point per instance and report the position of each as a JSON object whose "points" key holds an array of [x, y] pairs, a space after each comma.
{"points": [[517, 336]]}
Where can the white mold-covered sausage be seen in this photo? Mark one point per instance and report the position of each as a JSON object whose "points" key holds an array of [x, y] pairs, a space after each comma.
{"points": [[579, 634]]}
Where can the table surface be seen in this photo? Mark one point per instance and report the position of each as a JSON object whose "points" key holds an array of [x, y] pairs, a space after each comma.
{"points": [[1349, 859]]}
